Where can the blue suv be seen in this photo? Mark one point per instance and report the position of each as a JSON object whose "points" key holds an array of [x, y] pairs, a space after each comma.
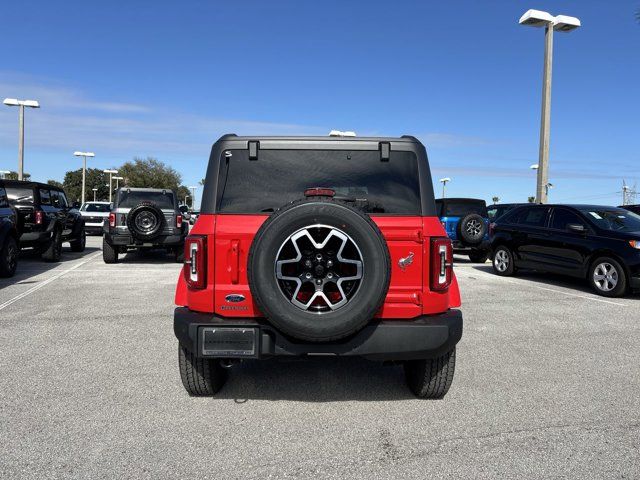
{"points": [[466, 222]]}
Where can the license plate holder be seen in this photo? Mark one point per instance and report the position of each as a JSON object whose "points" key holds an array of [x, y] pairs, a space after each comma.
{"points": [[229, 341]]}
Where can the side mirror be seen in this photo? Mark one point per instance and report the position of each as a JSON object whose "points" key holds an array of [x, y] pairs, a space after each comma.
{"points": [[76, 205], [111, 206], [576, 228], [184, 209]]}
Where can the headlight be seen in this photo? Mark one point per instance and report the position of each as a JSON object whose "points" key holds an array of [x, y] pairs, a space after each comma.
{"points": [[635, 244]]}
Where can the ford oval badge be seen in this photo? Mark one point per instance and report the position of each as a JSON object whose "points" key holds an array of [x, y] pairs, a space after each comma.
{"points": [[234, 298]]}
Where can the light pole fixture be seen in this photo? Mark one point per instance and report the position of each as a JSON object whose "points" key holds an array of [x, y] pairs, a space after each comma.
{"points": [[444, 185], [117, 179], [84, 155], [561, 23], [110, 172], [193, 197], [94, 193], [14, 102]]}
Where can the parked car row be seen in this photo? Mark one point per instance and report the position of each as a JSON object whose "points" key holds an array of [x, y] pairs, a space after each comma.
{"points": [[39, 217]]}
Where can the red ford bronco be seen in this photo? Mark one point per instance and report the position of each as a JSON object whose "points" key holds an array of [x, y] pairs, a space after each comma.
{"points": [[318, 246]]}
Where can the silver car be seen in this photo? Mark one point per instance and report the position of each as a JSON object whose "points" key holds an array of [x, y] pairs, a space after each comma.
{"points": [[94, 215]]}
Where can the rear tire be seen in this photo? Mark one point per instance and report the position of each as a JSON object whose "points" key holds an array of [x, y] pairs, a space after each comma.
{"points": [[9, 257], [79, 244], [479, 256], [503, 261], [178, 253], [432, 377], [200, 376], [109, 252], [53, 250]]}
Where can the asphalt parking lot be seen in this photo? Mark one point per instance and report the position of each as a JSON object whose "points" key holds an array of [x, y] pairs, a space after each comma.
{"points": [[547, 384]]}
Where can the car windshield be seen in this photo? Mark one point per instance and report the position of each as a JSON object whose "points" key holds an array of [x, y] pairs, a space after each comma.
{"points": [[129, 199], [616, 219], [95, 207], [19, 195]]}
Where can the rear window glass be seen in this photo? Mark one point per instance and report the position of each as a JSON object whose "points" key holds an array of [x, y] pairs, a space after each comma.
{"points": [[96, 207], [129, 199], [459, 209], [20, 195], [282, 176]]}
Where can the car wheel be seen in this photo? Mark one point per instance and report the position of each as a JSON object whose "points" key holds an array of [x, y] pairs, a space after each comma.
{"points": [[503, 261], [109, 252], [53, 250], [479, 256], [307, 267], [79, 244], [432, 377], [608, 277], [146, 221], [200, 376], [9, 257]]}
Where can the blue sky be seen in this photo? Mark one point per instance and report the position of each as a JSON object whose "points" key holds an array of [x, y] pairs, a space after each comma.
{"points": [[166, 79]]}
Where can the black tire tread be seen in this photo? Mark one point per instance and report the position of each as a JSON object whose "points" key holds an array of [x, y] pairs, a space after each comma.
{"points": [[77, 245], [200, 376], [431, 378], [53, 249], [109, 252], [5, 271]]}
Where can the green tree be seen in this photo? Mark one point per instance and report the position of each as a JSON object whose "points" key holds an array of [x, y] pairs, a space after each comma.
{"points": [[182, 193], [95, 178], [55, 183], [150, 173], [531, 199], [14, 176], [495, 199]]}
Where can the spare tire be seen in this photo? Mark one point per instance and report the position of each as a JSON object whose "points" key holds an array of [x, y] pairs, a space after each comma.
{"points": [[471, 229], [145, 221], [319, 269]]}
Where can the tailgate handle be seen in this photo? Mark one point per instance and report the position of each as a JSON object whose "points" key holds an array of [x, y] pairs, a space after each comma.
{"points": [[234, 264]]}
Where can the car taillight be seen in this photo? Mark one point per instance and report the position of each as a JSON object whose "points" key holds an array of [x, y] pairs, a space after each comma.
{"points": [[441, 263], [39, 217], [112, 219], [179, 221], [195, 261]]}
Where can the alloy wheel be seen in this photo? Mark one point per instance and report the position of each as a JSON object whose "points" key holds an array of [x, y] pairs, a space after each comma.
{"points": [[605, 276], [501, 261], [319, 268]]}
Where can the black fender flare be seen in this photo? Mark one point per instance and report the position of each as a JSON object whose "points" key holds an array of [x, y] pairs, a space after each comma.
{"points": [[8, 229]]}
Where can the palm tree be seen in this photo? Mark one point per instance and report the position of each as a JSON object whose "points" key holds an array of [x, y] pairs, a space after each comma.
{"points": [[495, 199]]}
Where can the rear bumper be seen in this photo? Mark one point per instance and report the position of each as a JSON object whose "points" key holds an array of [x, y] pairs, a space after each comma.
{"points": [[419, 338], [30, 238], [129, 241]]}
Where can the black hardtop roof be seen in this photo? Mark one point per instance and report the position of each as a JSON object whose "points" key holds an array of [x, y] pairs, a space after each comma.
{"points": [[145, 189], [577, 206], [232, 141], [460, 200], [29, 184]]}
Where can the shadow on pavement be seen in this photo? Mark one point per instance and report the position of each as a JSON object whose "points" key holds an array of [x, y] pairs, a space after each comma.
{"points": [[555, 280], [315, 379]]}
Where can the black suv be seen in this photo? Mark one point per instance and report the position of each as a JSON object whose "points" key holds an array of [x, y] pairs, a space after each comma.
{"points": [[8, 236], [599, 243], [45, 220], [144, 218], [631, 208]]}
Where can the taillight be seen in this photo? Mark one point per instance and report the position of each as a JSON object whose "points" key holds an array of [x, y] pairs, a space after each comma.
{"points": [[195, 261], [112, 219], [179, 221], [39, 217], [441, 263]]}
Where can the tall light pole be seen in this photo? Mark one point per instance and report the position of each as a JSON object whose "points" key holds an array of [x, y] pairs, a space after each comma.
{"points": [[117, 179], [562, 23], [14, 102], [94, 193], [84, 155], [110, 172], [444, 185], [193, 197]]}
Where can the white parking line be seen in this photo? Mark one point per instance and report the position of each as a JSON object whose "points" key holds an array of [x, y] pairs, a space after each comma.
{"points": [[47, 281]]}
